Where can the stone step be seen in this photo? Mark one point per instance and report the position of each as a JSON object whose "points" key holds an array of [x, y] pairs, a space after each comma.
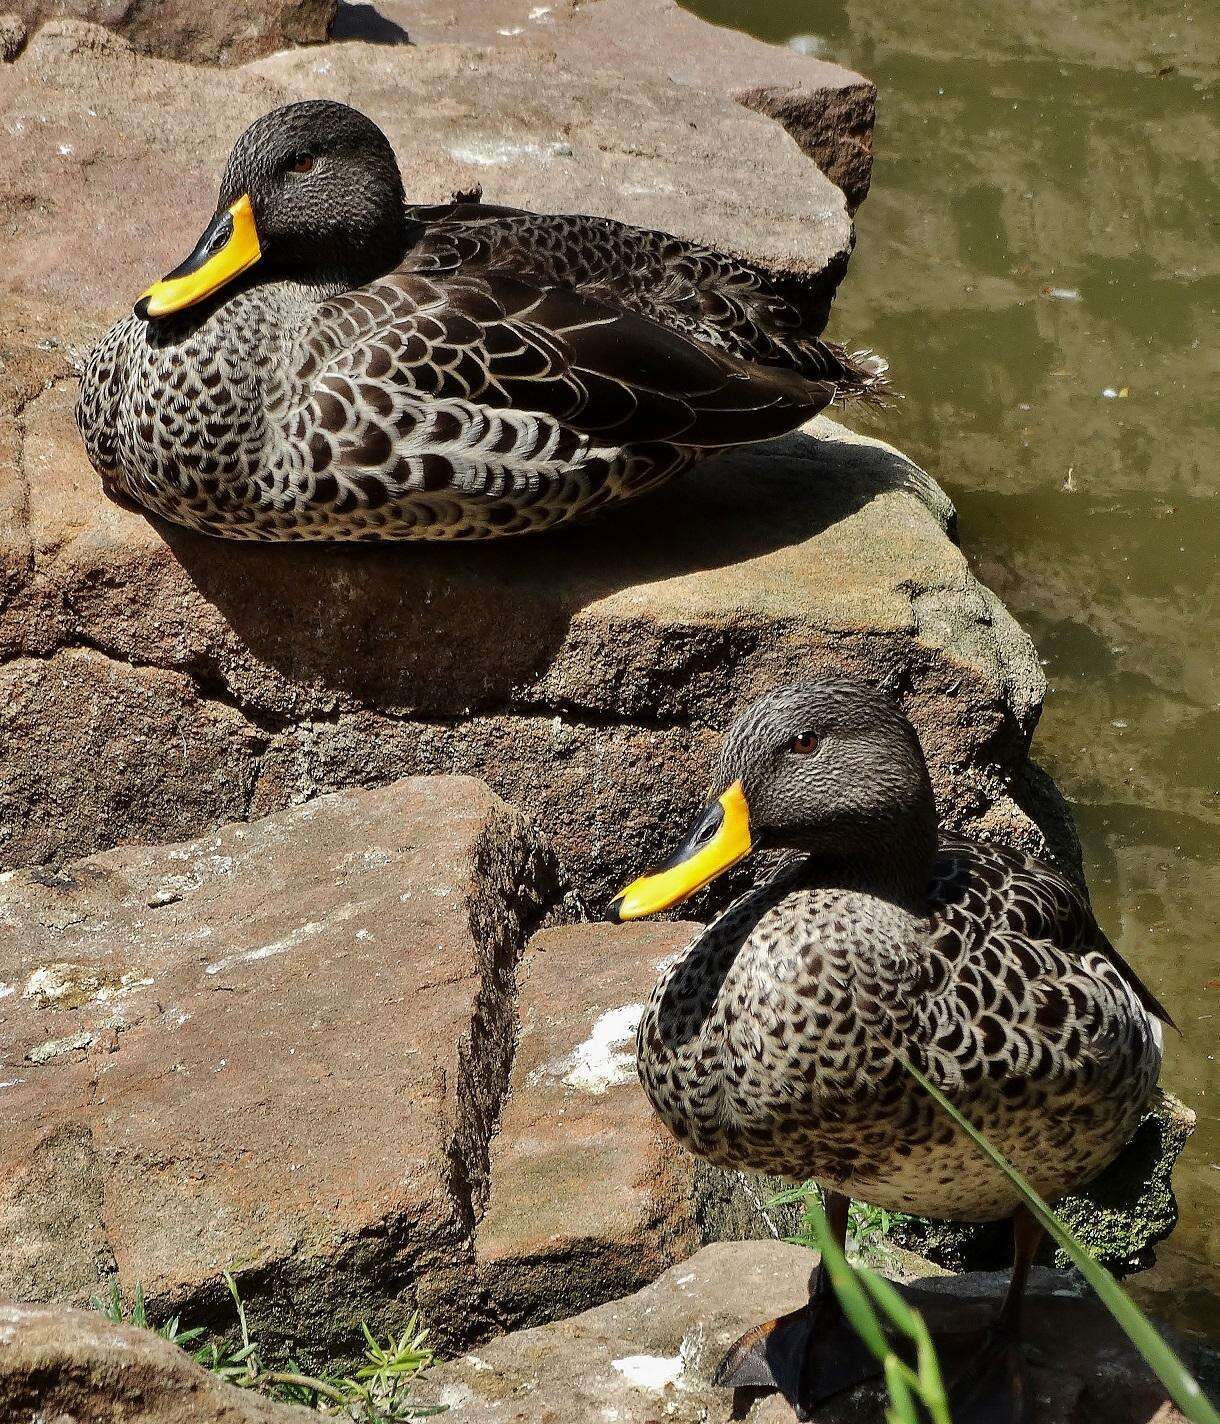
{"points": [[590, 1198], [162, 682], [278, 1050]]}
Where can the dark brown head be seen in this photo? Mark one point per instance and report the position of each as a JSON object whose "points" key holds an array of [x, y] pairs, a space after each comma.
{"points": [[833, 769], [311, 193]]}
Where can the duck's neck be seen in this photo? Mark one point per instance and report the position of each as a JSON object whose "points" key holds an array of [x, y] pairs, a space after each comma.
{"points": [[328, 269], [893, 863]]}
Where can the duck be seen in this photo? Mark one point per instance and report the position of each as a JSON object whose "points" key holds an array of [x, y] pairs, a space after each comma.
{"points": [[777, 1042], [332, 362]]}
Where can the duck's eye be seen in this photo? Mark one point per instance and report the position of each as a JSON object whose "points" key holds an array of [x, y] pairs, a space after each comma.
{"points": [[301, 163], [803, 744]]}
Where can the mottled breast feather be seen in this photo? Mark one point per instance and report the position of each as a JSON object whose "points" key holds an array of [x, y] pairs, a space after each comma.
{"points": [[773, 1045]]}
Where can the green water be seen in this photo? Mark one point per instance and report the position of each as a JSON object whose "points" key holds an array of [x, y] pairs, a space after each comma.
{"points": [[1044, 226]]}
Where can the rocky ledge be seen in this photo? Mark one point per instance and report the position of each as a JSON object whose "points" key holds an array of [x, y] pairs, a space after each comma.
{"points": [[72, 1365], [646, 1357], [322, 1050], [584, 685], [650, 1356], [350, 1053]]}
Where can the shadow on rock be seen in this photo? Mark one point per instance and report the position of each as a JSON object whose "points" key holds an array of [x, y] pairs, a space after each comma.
{"points": [[356, 20], [445, 628]]}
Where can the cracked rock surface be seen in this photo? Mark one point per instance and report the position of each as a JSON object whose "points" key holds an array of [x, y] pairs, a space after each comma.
{"points": [[322, 1051], [279, 1049]]}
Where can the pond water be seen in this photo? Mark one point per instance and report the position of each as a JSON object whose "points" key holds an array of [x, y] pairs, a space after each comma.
{"points": [[1039, 259]]}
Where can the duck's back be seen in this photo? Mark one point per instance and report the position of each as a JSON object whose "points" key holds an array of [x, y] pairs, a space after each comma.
{"points": [[716, 298], [452, 405]]}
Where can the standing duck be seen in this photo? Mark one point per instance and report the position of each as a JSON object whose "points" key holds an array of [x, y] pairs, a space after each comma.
{"points": [[773, 1044], [333, 363]]}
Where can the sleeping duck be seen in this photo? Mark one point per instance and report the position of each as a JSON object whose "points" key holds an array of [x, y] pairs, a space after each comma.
{"points": [[773, 1044], [331, 362]]}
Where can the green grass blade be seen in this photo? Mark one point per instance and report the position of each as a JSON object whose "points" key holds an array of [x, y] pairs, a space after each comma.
{"points": [[1180, 1384], [902, 1408], [791, 1196], [852, 1295]]}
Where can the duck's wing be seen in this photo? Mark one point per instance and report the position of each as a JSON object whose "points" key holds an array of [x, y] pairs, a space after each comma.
{"points": [[1023, 899], [713, 297], [495, 368]]}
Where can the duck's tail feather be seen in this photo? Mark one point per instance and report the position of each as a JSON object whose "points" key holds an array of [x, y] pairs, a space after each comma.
{"points": [[864, 377]]}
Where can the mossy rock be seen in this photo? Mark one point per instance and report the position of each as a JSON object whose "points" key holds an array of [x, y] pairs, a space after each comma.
{"points": [[1125, 1211]]}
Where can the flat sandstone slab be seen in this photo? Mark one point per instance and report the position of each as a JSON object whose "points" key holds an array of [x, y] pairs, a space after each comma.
{"points": [[279, 1048], [112, 159], [650, 1356], [827, 109], [590, 1198]]}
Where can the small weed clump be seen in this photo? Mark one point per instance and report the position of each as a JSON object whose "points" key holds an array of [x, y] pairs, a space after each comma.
{"points": [[377, 1393], [869, 1226]]}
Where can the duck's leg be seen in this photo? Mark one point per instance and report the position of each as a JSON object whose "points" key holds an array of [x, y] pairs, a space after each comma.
{"points": [[808, 1354], [992, 1387]]}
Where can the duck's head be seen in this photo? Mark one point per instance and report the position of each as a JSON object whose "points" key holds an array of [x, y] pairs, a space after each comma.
{"points": [[311, 193], [830, 768]]}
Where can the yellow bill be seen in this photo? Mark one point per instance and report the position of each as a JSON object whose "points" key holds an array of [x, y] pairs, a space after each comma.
{"points": [[719, 838], [227, 248]]}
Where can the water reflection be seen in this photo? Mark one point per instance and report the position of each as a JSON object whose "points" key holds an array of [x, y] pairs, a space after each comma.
{"points": [[1039, 260]]}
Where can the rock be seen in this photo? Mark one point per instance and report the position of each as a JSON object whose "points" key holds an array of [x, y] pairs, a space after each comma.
{"points": [[590, 1198], [1124, 1212], [586, 687], [523, 123], [229, 32], [827, 109], [189, 763], [279, 1049], [12, 37], [650, 1356], [63, 1365]]}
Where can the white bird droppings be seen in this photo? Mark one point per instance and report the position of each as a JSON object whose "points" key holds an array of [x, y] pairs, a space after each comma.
{"points": [[265, 951], [79, 984], [491, 154], [652, 1372], [55, 1047], [607, 1056]]}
